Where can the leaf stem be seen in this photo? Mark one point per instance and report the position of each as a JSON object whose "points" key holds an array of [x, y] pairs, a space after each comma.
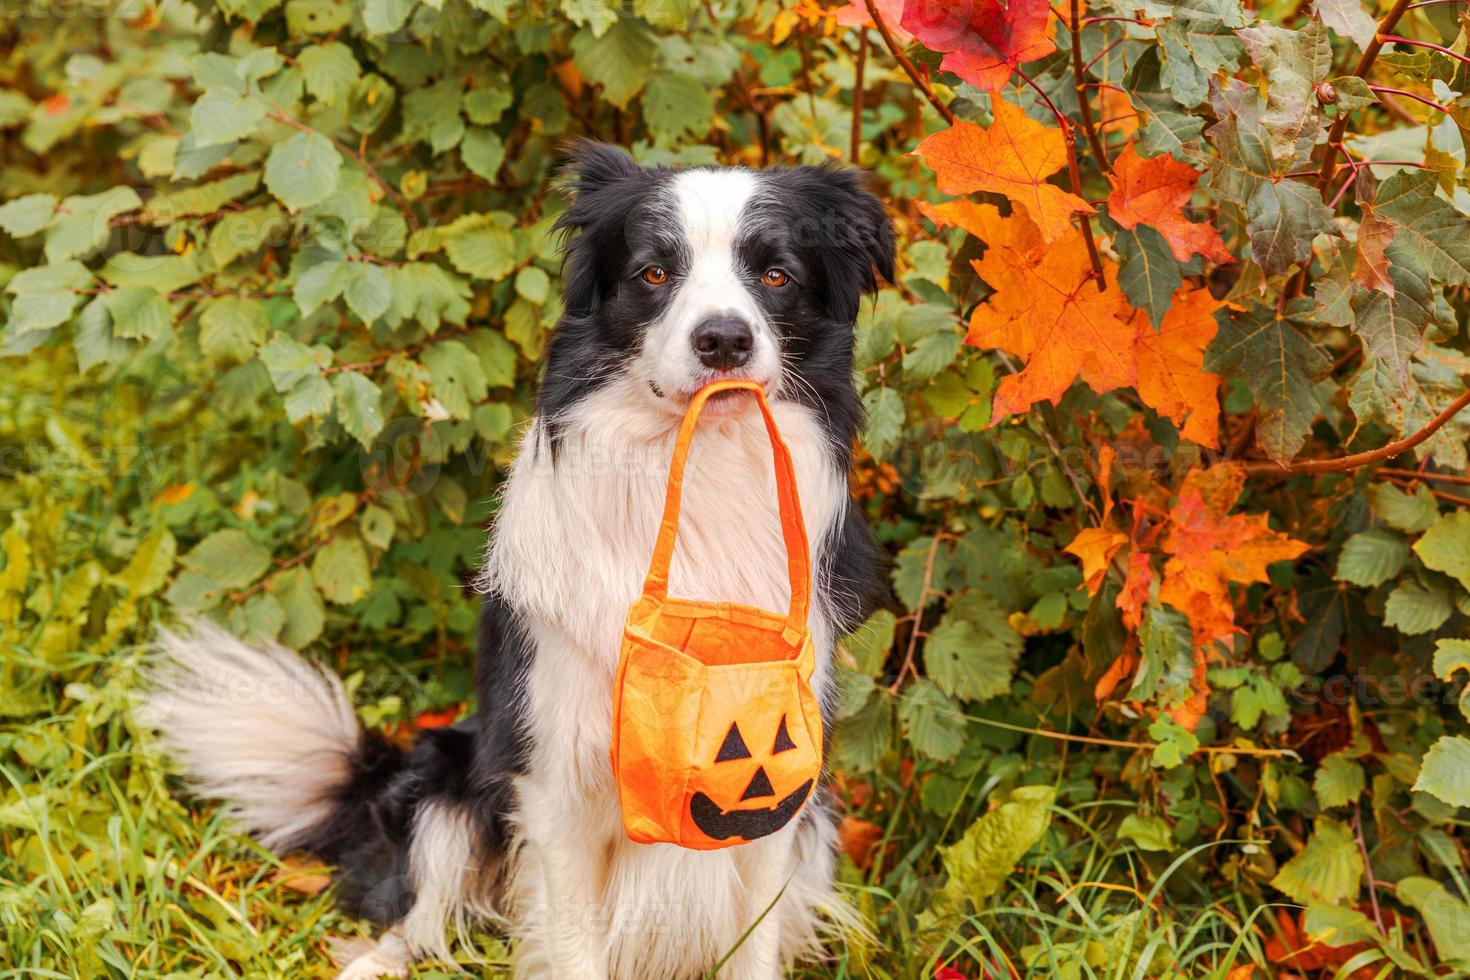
{"points": [[908, 66], [1079, 79], [1380, 89], [1417, 475], [1352, 462], [1073, 171], [1427, 44]]}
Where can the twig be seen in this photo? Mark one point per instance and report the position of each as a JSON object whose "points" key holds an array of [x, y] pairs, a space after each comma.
{"points": [[1118, 743], [1079, 79], [1344, 463], [1367, 867], [924, 593], [1418, 475], [908, 66], [1074, 172], [857, 97]]}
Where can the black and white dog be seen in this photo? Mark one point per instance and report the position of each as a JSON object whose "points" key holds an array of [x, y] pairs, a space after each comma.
{"points": [[672, 278]]}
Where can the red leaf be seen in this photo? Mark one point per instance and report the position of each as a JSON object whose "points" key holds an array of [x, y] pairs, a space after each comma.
{"points": [[985, 40]]}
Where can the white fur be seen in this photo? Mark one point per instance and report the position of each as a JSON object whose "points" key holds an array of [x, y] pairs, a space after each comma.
{"points": [[709, 204], [261, 728], [587, 903]]}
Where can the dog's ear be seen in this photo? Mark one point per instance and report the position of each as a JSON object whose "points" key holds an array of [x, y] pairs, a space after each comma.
{"points": [[592, 166], [845, 230], [603, 181]]}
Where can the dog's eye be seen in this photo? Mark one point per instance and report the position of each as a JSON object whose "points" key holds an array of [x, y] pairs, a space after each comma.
{"points": [[774, 278], [655, 275]]}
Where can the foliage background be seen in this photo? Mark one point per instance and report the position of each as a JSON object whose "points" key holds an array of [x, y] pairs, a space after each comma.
{"points": [[277, 274]]}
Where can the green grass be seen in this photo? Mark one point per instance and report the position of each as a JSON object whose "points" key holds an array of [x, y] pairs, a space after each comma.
{"points": [[107, 872]]}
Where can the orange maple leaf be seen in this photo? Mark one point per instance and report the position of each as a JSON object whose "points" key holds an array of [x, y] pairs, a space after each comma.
{"points": [[1014, 157], [1115, 110], [1171, 375], [1155, 192], [1047, 309], [985, 40], [1095, 546], [1209, 549]]}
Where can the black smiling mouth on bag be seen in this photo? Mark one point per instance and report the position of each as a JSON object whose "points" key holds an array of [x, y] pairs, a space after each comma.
{"points": [[720, 824]]}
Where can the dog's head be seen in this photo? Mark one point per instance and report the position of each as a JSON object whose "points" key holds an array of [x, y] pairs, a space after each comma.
{"points": [[675, 278]]}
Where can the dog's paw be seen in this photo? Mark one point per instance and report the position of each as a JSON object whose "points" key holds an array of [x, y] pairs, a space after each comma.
{"points": [[363, 959]]}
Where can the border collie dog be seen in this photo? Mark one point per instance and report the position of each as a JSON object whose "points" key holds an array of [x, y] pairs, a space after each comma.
{"points": [[672, 279]]}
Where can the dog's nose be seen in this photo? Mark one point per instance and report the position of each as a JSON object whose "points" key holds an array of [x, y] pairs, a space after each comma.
{"points": [[723, 342]]}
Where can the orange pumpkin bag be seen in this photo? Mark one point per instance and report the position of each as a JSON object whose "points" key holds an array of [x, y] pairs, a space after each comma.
{"points": [[717, 737]]}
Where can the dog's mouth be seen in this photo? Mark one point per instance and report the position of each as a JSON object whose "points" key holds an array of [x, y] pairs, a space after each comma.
{"points": [[748, 825], [719, 398]]}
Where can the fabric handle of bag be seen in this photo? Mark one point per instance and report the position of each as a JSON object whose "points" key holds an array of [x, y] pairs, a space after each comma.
{"points": [[793, 530]]}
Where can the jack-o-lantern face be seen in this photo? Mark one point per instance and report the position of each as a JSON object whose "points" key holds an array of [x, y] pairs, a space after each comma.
{"points": [[767, 811]]}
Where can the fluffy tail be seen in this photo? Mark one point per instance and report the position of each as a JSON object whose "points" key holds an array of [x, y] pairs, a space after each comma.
{"points": [[273, 735]]}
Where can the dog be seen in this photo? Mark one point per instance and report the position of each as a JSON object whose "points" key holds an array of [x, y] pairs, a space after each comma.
{"points": [[672, 278]]}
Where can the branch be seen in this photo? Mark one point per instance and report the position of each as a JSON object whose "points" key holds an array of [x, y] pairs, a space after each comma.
{"points": [[1079, 80], [1073, 171], [1345, 463], [1427, 44], [908, 66]]}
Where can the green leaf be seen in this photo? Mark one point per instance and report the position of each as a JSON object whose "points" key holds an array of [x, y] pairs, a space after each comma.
{"points": [[885, 413], [1371, 558], [1431, 234], [618, 60], [329, 71], [1413, 609], [931, 721], [1328, 870], [228, 558], [1166, 667], [1281, 366], [1391, 328], [456, 379], [148, 568], [871, 642], [1339, 781], [864, 735], [533, 284], [677, 107], [45, 295], [982, 859], [221, 117], [303, 170], [1402, 510], [83, 224], [1283, 218], [482, 152], [368, 291], [231, 328], [1147, 833], [432, 114], [1149, 274], [304, 612], [1449, 656], [972, 660], [1446, 917], [1445, 772], [340, 570], [1349, 19], [139, 313], [479, 246], [1445, 547], [376, 525], [27, 215], [1294, 62], [290, 362], [359, 406], [386, 16]]}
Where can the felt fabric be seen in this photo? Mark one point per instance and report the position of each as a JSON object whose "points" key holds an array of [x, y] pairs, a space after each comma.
{"points": [[717, 736]]}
